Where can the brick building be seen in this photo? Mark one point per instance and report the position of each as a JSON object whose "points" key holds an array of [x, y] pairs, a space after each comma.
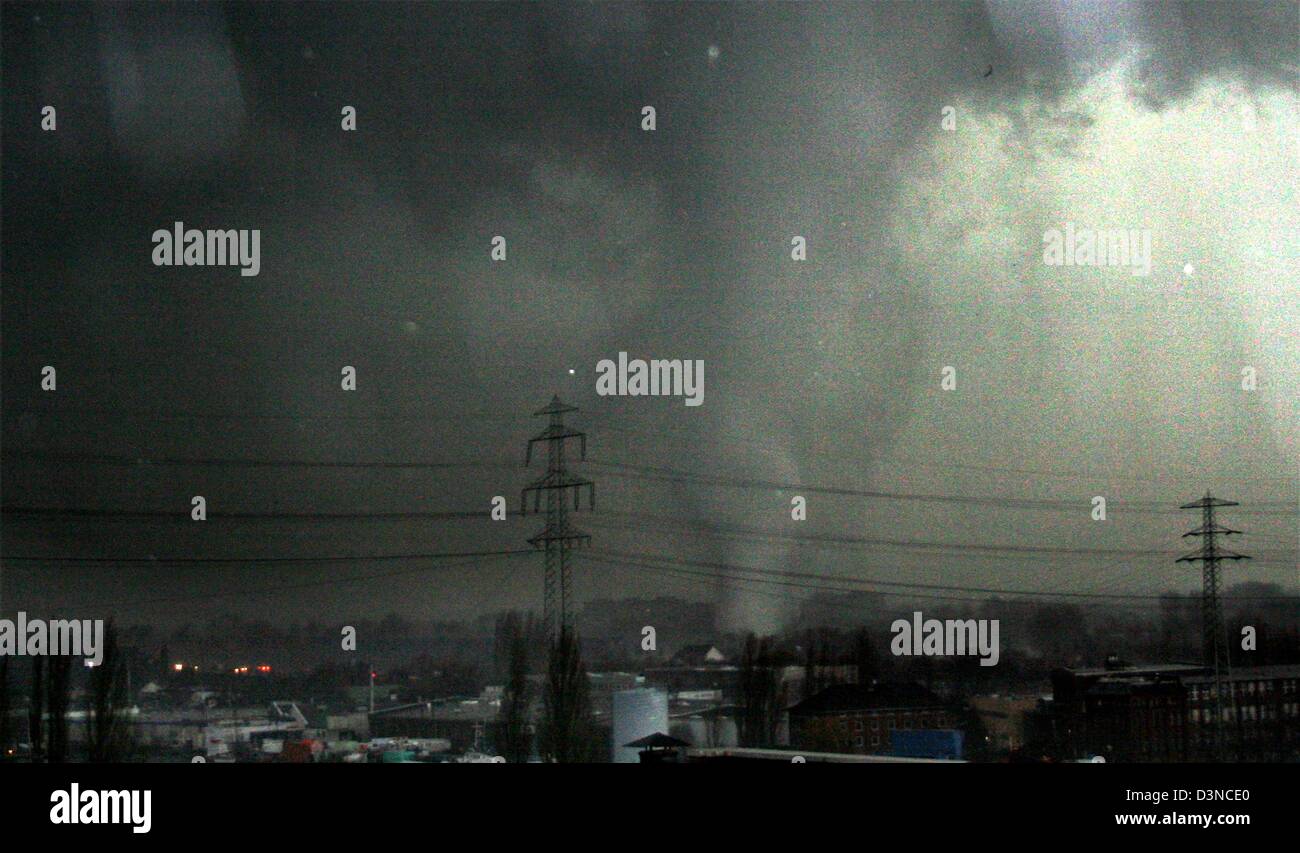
{"points": [[1165, 713], [858, 718]]}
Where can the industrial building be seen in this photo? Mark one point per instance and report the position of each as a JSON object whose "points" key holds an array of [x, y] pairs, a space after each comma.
{"points": [[1166, 713]]}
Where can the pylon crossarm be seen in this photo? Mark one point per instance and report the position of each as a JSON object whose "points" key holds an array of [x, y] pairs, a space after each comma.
{"points": [[557, 532], [575, 539], [1208, 501], [556, 480], [523, 500], [555, 432], [555, 407], [1226, 531]]}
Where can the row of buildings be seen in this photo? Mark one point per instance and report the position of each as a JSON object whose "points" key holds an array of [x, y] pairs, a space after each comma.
{"points": [[1168, 713], [1117, 712]]}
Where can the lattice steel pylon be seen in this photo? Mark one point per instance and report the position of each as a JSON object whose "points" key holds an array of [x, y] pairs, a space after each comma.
{"points": [[557, 537], [1214, 640]]}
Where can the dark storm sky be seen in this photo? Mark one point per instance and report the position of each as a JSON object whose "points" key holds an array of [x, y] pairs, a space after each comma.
{"points": [[524, 120]]}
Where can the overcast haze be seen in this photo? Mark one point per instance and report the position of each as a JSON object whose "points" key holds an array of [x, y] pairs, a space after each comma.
{"points": [[925, 250]]}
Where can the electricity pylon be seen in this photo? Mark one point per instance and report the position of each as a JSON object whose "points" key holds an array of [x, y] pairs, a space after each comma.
{"points": [[1214, 640], [557, 537]]}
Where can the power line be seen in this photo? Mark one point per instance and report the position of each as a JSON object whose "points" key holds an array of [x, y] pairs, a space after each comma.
{"points": [[629, 470], [1283, 557], [660, 474], [1038, 472], [808, 580], [257, 416], [484, 557], [138, 515], [753, 533], [712, 580], [236, 462], [333, 558], [734, 532]]}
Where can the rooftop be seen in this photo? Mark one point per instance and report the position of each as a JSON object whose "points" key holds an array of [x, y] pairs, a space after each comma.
{"points": [[744, 753], [1138, 670], [864, 697], [1252, 673]]}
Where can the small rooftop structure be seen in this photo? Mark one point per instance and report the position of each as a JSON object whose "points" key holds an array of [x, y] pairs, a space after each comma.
{"points": [[658, 748], [702, 654], [658, 740]]}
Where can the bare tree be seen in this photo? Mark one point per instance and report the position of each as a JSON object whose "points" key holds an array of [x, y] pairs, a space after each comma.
{"points": [[759, 693], [507, 624], [566, 730], [864, 657], [5, 729], [36, 711], [818, 672], [512, 641], [106, 733], [811, 673], [57, 693]]}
